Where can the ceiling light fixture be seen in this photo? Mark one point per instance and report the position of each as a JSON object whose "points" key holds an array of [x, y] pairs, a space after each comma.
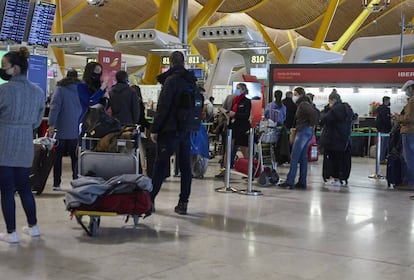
{"points": [[97, 3], [376, 7]]}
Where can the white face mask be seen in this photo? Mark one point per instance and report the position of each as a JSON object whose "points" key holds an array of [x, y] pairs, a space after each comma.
{"points": [[295, 98]]}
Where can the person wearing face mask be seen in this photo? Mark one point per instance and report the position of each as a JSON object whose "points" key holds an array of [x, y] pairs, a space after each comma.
{"points": [[239, 123], [123, 101], [406, 122], [383, 123], [336, 123], [22, 105], [305, 121], [92, 89]]}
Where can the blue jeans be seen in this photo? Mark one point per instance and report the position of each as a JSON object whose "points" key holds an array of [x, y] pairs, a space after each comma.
{"points": [[299, 155], [65, 146], [408, 153], [384, 147], [14, 179], [167, 144]]}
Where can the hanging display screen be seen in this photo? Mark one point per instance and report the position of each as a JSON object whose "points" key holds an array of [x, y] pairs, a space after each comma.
{"points": [[41, 24], [14, 20]]}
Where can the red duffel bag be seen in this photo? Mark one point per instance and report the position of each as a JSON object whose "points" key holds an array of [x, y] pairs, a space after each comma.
{"points": [[242, 165]]}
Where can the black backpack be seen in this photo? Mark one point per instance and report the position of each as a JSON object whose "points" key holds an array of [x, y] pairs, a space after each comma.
{"points": [[189, 109]]}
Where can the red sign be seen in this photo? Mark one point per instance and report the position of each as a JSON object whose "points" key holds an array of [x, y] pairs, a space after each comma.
{"points": [[111, 63], [344, 74]]}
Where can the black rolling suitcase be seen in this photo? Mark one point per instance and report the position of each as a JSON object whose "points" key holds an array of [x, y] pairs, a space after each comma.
{"points": [[395, 169], [44, 158], [345, 170]]}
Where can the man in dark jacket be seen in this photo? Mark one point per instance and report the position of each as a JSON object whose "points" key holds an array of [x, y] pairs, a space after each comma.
{"points": [[124, 101], [290, 110], [383, 123], [165, 132]]}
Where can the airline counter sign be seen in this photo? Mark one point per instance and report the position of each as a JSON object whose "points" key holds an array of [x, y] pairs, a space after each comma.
{"points": [[355, 75]]}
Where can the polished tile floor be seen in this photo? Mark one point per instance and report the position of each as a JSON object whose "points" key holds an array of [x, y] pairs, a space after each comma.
{"points": [[363, 232]]}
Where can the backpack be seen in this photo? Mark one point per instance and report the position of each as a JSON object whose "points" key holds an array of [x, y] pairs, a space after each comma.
{"points": [[189, 109], [97, 123]]}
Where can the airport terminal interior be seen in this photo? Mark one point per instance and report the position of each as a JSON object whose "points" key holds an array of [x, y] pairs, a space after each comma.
{"points": [[363, 231]]}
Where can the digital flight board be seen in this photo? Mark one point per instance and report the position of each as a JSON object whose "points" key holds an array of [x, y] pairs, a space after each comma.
{"points": [[41, 23], [14, 20]]}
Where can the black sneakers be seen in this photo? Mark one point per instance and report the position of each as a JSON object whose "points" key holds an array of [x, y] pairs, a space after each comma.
{"points": [[300, 186], [181, 208]]}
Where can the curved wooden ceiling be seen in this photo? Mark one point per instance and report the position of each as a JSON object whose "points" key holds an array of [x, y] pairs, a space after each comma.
{"points": [[302, 18]]}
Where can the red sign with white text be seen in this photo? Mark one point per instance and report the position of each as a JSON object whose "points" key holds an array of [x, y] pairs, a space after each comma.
{"points": [[344, 74], [111, 63]]}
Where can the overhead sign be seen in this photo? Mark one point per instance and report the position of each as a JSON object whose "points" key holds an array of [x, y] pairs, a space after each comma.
{"points": [[194, 59], [371, 74], [14, 21], [165, 60], [258, 59]]}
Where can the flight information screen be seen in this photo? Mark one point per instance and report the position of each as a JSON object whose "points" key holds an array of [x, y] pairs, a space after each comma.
{"points": [[14, 20], [41, 25]]}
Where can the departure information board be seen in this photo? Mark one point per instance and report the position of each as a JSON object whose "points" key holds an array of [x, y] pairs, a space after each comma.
{"points": [[42, 21], [14, 20]]}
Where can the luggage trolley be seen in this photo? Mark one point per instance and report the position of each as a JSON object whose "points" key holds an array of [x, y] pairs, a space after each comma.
{"points": [[106, 165], [266, 151]]}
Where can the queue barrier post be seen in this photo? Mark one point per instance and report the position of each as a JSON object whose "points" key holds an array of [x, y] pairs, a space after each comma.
{"points": [[249, 190], [377, 174], [227, 188]]}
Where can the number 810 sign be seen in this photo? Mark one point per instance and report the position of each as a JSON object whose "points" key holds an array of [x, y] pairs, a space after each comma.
{"points": [[258, 59]]}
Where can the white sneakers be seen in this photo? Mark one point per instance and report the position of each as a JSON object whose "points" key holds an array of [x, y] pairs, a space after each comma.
{"points": [[334, 183], [31, 231], [12, 238]]}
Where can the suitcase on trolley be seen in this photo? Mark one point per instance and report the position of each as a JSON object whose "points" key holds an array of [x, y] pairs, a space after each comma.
{"points": [[108, 164], [43, 161]]}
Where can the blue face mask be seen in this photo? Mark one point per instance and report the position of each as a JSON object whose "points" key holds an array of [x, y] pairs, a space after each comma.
{"points": [[237, 91]]}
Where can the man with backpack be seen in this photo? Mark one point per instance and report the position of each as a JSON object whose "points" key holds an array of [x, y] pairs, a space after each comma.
{"points": [[179, 110]]}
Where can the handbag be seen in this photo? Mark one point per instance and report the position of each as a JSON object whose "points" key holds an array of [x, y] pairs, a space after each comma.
{"points": [[292, 135]]}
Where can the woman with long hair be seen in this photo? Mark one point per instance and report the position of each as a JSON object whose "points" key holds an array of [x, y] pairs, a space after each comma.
{"points": [[305, 121], [22, 104], [92, 90]]}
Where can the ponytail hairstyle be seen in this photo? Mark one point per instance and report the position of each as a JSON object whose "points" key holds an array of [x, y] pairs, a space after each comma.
{"points": [[19, 58]]}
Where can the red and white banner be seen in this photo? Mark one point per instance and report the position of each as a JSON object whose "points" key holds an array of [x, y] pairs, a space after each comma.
{"points": [[111, 63]]}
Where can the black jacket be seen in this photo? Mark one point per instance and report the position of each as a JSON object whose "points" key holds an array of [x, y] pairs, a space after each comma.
{"points": [[241, 121], [290, 112], [383, 121], [336, 123], [124, 104], [173, 81]]}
